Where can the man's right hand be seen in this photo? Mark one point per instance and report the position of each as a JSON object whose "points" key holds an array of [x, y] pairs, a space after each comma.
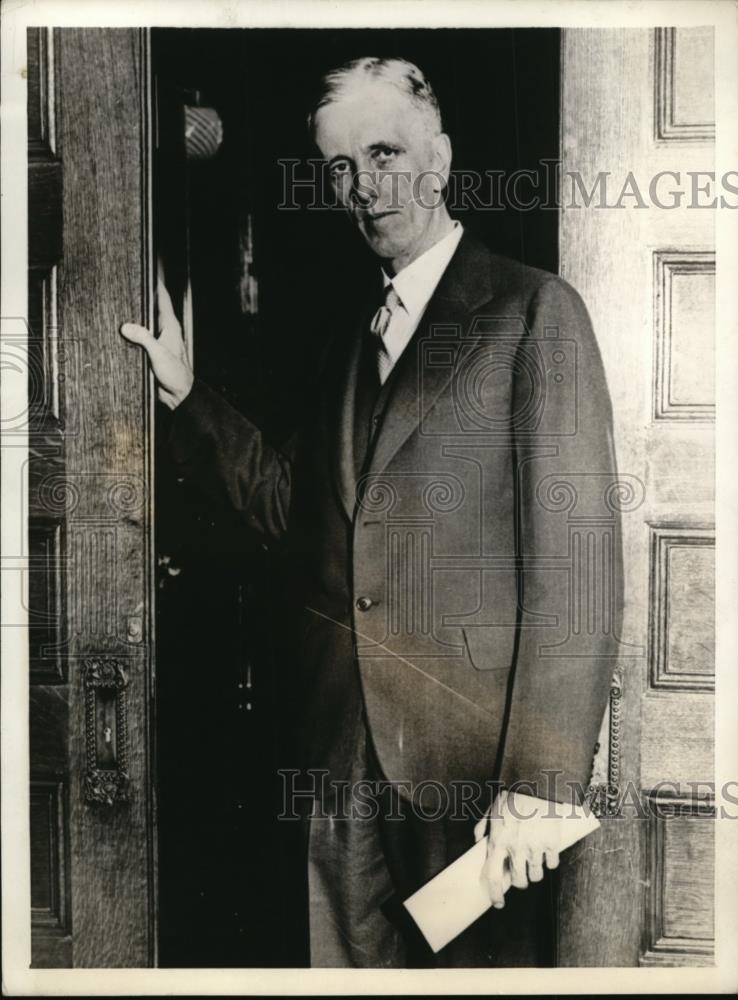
{"points": [[167, 352]]}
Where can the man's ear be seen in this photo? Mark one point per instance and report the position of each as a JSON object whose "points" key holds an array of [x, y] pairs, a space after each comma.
{"points": [[442, 156]]}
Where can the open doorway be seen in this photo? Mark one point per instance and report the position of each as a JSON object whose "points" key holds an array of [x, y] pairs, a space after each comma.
{"points": [[255, 272]]}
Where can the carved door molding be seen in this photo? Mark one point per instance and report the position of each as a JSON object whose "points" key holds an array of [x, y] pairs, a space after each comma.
{"points": [[89, 499], [636, 102]]}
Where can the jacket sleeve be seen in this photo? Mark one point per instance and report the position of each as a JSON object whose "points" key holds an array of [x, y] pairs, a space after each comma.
{"points": [[224, 453], [568, 547]]}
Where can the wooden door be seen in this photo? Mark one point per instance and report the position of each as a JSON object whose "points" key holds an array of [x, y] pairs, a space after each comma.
{"points": [[90, 607], [640, 102]]}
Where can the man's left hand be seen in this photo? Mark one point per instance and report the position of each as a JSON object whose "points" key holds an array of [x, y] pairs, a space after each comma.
{"points": [[523, 834]]}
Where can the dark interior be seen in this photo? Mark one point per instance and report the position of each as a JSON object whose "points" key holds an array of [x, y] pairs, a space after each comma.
{"points": [[230, 874]]}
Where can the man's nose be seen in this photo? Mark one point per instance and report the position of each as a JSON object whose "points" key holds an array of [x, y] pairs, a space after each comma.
{"points": [[364, 188]]}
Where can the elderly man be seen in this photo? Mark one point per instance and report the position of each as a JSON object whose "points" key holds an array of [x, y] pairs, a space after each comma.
{"points": [[454, 638]]}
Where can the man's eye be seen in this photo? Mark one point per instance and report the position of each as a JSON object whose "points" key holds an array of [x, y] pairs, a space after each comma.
{"points": [[384, 155], [340, 170]]}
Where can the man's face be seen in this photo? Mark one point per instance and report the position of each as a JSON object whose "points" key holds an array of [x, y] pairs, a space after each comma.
{"points": [[386, 167]]}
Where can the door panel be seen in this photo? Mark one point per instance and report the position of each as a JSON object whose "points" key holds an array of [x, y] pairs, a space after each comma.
{"points": [[640, 101], [89, 506]]}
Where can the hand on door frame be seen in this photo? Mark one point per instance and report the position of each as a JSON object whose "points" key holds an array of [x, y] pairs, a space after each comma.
{"points": [[167, 351]]}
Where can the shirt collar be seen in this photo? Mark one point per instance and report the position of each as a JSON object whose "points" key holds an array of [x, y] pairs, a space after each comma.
{"points": [[417, 282]]}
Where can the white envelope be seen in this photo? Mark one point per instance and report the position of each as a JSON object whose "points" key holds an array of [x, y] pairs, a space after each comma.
{"points": [[456, 897]]}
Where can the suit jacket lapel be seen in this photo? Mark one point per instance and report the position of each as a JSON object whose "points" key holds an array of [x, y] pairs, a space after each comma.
{"points": [[467, 282], [341, 415], [416, 385], [344, 440]]}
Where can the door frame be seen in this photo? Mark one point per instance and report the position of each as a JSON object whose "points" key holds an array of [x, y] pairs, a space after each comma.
{"points": [[92, 707]]}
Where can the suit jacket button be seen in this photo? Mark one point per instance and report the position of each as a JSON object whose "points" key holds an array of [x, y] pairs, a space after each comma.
{"points": [[364, 603]]}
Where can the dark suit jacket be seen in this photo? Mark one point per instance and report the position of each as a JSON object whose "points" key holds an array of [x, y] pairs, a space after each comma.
{"points": [[469, 601]]}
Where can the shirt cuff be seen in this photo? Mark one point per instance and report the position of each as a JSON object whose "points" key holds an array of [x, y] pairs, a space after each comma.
{"points": [[550, 807]]}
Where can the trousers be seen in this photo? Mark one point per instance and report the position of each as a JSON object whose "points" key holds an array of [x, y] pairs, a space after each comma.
{"points": [[363, 862]]}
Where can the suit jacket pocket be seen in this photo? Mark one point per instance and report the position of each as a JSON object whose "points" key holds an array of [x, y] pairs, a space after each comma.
{"points": [[489, 647]]}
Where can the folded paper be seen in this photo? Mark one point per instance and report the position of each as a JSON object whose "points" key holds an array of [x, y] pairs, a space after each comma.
{"points": [[457, 896]]}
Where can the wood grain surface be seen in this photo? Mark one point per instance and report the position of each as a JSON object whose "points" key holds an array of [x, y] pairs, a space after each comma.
{"points": [[615, 121], [101, 127]]}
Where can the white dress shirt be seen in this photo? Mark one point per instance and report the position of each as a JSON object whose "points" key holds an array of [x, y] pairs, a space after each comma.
{"points": [[414, 285]]}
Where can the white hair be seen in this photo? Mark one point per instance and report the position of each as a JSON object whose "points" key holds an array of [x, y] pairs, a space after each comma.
{"points": [[405, 76]]}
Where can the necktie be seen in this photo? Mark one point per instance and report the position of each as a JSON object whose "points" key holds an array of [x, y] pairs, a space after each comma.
{"points": [[378, 327]]}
